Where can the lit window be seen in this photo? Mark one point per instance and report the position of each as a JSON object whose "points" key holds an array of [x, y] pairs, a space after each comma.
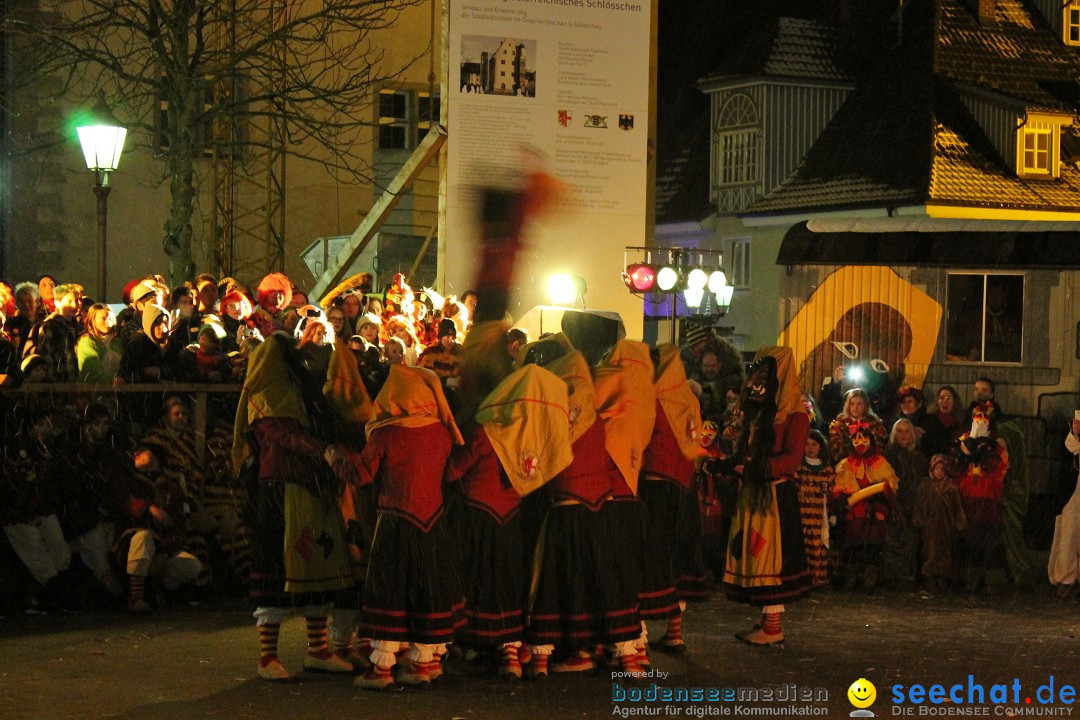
{"points": [[1072, 23], [985, 317], [1037, 151]]}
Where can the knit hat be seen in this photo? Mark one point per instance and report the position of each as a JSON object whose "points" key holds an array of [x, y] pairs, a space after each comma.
{"points": [[696, 334], [215, 328], [939, 459], [369, 319], [447, 327]]}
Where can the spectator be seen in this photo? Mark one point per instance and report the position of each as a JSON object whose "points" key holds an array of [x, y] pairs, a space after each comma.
{"points": [[186, 318], [400, 327], [142, 295], [445, 357], [336, 317], [9, 358], [149, 355], [235, 314], [54, 338], [943, 423], [206, 294], [26, 314], [856, 412], [351, 302], [154, 531], [516, 338], [98, 350], [275, 294], [900, 554], [939, 516], [46, 285], [29, 503], [90, 484], [214, 499]]}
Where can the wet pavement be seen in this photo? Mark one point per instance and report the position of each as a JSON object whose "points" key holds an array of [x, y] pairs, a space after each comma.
{"points": [[185, 662]]}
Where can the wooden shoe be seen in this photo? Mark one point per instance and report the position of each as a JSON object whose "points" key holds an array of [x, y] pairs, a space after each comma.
{"points": [[273, 670], [671, 647], [360, 663], [415, 673], [574, 663], [376, 678], [328, 663], [757, 636], [139, 607]]}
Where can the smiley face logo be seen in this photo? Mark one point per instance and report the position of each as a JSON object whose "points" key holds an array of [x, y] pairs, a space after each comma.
{"points": [[862, 693]]}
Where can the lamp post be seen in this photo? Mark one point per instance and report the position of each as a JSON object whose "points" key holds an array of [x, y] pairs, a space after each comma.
{"points": [[102, 139]]}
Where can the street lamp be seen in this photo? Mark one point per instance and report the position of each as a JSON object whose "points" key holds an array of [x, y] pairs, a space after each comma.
{"points": [[102, 139]]}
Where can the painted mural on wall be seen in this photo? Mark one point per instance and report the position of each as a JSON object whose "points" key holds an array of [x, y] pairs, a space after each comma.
{"points": [[864, 317]]}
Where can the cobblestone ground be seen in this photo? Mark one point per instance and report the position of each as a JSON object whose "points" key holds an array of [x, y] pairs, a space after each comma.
{"points": [[200, 662]]}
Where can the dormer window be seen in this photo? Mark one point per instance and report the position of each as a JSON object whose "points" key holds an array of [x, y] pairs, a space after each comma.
{"points": [[1071, 22], [1038, 145], [737, 153]]}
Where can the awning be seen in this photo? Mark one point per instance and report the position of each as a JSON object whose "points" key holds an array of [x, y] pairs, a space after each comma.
{"points": [[946, 248]]}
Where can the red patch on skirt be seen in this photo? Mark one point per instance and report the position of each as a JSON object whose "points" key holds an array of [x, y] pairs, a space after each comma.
{"points": [[757, 543], [305, 544]]}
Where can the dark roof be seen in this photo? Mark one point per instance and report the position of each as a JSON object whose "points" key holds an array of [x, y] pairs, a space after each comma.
{"points": [[1019, 55], [801, 246], [790, 48], [904, 137], [682, 183]]}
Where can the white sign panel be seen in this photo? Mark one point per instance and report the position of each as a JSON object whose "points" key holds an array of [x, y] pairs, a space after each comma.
{"points": [[563, 84]]}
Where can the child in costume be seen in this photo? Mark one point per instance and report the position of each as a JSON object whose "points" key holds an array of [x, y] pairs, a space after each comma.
{"points": [[412, 593], [815, 478], [864, 491], [982, 461], [939, 516], [856, 410]]}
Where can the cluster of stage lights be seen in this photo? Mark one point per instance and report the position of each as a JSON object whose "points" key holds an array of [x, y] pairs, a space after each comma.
{"points": [[646, 278]]}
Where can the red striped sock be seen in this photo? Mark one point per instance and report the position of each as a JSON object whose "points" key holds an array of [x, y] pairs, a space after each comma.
{"points": [[316, 637], [268, 641], [770, 623], [673, 636]]}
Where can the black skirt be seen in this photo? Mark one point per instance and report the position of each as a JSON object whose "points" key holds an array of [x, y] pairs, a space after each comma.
{"points": [[492, 575], [412, 592], [577, 600]]}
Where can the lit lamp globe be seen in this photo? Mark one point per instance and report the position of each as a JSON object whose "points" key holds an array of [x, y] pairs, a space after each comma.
{"points": [[102, 139], [717, 281]]}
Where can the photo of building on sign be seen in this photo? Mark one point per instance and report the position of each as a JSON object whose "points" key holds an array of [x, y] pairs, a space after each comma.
{"points": [[498, 66]]}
